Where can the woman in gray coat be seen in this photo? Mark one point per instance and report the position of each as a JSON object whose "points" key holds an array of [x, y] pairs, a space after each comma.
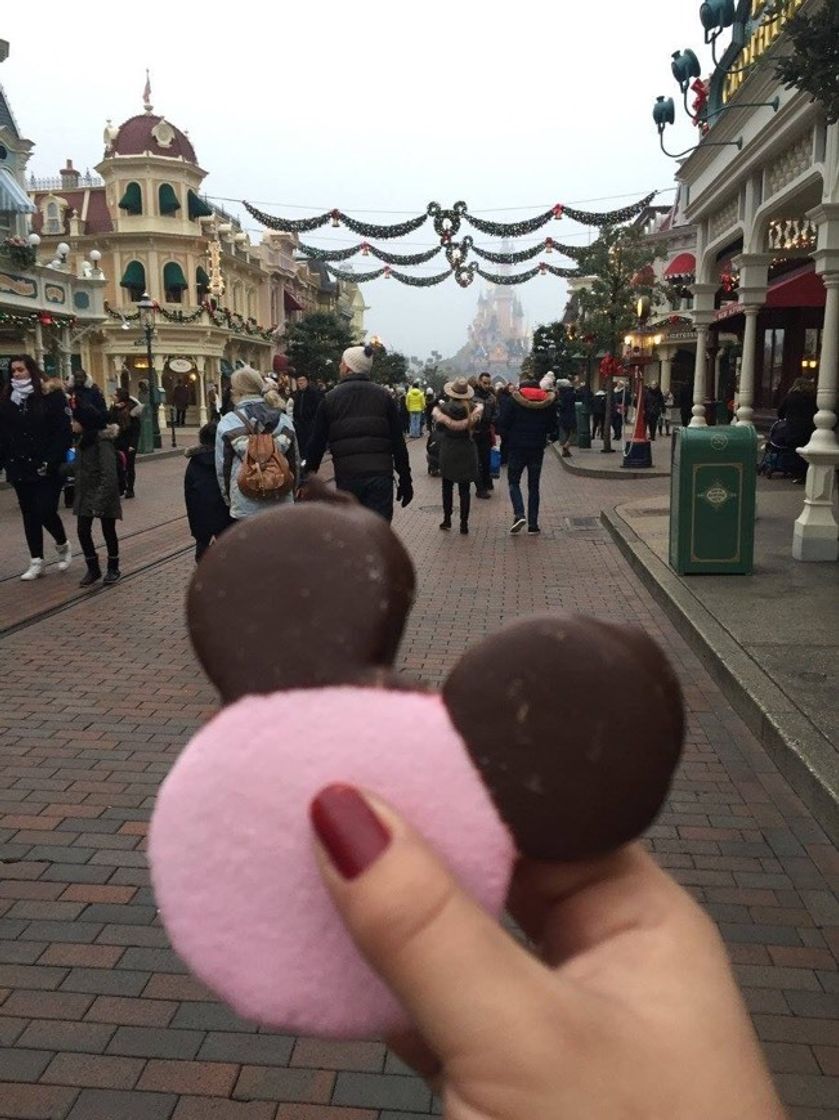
{"points": [[454, 421], [97, 491]]}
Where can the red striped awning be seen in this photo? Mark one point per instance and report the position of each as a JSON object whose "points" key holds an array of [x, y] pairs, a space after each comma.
{"points": [[290, 303], [682, 266]]}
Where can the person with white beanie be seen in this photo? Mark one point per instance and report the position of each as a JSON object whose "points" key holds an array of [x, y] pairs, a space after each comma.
{"points": [[359, 422]]}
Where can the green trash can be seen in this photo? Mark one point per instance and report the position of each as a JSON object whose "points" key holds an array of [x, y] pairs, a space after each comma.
{"points": [[712, 500], [146, 442], [583, 424]]}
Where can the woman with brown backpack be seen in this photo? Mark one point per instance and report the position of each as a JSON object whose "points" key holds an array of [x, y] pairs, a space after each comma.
{"points": [[257, 458]]}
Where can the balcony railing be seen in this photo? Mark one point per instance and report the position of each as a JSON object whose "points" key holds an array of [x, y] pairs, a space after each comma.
{"points": [[57, 183]]}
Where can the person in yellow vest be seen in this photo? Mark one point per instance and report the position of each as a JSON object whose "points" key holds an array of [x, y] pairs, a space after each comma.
{"points": [[415, 403]]}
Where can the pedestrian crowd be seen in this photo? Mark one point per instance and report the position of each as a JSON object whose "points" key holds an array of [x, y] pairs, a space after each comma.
{"points": [[268, 434], [58, 438]]}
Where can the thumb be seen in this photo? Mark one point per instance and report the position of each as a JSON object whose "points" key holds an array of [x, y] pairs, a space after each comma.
{"points": [[456, 972]]}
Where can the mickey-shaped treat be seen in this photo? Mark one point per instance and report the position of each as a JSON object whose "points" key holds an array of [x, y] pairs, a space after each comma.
{"points": [[555, 738]]}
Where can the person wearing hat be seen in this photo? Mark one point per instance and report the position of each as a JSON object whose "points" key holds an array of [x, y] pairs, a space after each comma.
{"points": [[359, 422], [455, 419]]}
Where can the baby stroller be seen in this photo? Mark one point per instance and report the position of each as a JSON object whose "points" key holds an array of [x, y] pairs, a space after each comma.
{"points": [[432, 453], [777, 454]]}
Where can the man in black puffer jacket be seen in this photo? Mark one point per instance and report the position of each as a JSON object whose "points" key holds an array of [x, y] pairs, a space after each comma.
{"points": [[359, 422], [527, 423]]}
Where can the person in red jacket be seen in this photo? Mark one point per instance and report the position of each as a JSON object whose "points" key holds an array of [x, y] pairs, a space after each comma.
{"points": [[527, 424]]}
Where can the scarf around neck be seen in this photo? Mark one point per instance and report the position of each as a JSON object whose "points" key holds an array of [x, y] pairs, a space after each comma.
{"points": [[21, 390]]}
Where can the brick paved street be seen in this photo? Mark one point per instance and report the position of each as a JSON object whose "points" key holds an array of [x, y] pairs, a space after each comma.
{"points": [[98, 1019]]}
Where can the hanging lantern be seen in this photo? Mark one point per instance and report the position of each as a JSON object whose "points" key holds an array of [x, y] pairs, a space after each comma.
{"points": [[365, 249], [543, 268], [558, 211], [335, 216], [387, 272], [549, 244]]}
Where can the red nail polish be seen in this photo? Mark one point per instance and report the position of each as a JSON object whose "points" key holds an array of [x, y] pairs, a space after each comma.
{"points": [[348, 828]]}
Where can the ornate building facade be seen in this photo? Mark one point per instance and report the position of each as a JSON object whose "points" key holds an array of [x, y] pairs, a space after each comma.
{"points": [[44, 308], [221, 300]]}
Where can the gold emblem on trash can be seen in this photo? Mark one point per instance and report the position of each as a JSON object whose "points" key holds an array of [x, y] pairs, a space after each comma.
{"points": [[716, 495]]}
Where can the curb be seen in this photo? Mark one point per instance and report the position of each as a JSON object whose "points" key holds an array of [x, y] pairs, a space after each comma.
{"points": [[804, 756], [619, 473]]}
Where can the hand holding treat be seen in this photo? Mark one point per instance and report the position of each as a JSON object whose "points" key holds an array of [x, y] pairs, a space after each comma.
{"points": [[629, 1009], [296, 616]]}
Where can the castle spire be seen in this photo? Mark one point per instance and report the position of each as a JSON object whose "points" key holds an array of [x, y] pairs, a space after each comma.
{"points": [[147, 105]]}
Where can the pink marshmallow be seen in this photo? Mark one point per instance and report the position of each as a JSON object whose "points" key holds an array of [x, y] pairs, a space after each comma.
{"points": [[232, 856]]}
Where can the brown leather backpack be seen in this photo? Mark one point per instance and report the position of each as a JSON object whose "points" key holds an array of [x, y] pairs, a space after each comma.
{"points": [[265, 474]]}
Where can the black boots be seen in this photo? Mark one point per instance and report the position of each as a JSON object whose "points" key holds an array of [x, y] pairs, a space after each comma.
{"points": [[93, 573], [446, 523], [113, 573]]}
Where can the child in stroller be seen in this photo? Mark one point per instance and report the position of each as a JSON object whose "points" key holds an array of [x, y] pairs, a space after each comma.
{"points": [[778, 455]]}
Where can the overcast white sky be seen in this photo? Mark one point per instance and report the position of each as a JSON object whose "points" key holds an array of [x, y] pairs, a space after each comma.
{"points": [[374, 106]]}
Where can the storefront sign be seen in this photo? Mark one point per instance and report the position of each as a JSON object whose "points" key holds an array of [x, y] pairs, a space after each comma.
{"points": [[727, 311], [180, 365], [54, 294], [20, 286]]}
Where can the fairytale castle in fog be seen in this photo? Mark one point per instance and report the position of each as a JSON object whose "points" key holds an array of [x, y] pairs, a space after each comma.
{"points": [[498, 337]]}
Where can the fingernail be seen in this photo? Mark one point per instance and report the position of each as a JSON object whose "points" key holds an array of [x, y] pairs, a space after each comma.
{"points": [[348, 828]]}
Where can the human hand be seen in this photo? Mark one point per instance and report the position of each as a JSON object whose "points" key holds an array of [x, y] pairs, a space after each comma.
{"points": [[627, 1009], [405, 492]]}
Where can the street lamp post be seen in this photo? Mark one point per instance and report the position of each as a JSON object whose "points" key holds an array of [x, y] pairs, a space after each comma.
{"points": [[146, 307]]}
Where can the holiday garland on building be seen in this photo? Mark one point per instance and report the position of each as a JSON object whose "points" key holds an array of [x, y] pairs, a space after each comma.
{"points": [[221, 316], [24, 320]]}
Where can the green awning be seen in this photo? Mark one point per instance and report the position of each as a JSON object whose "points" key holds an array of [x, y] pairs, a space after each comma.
{"points": [[197, 207], [173, 277], [132, 200], [202, 280], [134, 276], [168, 199]]}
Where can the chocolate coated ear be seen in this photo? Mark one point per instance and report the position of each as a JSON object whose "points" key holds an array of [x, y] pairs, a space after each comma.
{"points": [[301, 596], [576, 726]]}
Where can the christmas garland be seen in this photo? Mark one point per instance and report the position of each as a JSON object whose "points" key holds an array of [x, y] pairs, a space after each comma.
{"points": [[27, 319], [418, 281], [221, 316], [447, 222], [515, 278], [366, 249], [546, 246], [566, 273]]}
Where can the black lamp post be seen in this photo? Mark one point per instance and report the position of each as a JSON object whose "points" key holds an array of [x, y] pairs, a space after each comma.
{"points": [[146, 307]]}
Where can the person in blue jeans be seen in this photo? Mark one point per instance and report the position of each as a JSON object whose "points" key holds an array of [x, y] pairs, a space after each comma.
{"points": [[526, 425]]}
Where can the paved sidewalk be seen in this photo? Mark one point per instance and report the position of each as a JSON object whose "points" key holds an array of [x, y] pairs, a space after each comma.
{"points": [[98, 1020], [771, 639]]}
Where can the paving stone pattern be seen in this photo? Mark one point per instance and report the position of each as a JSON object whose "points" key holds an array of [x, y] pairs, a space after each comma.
{"points": [[98, 1018]]}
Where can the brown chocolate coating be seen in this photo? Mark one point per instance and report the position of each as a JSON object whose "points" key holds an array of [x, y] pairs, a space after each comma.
{"points": [[576, 727], [301, 596]]}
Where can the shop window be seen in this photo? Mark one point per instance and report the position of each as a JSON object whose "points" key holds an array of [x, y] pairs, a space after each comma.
{"points": [[773, 363]]}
